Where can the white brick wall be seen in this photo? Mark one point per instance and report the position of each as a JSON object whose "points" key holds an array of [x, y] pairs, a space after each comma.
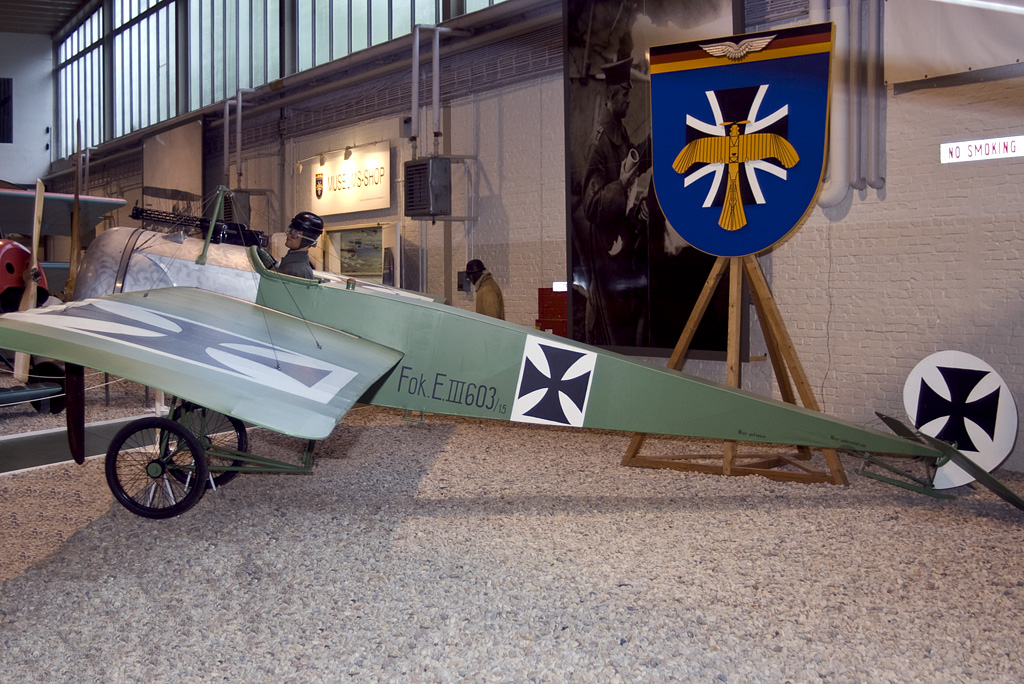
{"points": [[932, 261], [518, 138]]}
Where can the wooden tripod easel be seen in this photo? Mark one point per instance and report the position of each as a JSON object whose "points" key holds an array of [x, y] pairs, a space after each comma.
{"points": [[784, 362]]}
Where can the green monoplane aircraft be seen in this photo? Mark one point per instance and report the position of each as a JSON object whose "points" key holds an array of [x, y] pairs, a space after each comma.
{"points": [[294, 355]]}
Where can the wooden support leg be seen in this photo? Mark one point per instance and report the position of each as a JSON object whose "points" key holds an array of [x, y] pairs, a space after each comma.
{"points": [[785, 364], [22, 361], [775, 355], [678, 357], [777, 328], [634, 448], [734, 376]]}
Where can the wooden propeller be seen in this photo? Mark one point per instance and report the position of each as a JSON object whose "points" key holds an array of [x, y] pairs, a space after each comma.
{"points": [[31, 277]]}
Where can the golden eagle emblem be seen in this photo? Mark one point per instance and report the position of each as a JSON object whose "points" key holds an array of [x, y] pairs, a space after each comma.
{"points": [[733, 150]]}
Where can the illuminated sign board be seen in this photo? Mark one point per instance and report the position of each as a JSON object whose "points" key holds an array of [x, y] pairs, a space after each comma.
{"points": [[359, 183], [978, 150]]}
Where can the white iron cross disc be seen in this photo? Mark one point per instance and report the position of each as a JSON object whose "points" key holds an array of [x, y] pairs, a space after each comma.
{"points": [[960, 399]]}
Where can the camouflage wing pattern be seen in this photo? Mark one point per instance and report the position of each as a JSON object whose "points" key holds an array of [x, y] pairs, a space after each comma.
{"points": [[258, 365]]}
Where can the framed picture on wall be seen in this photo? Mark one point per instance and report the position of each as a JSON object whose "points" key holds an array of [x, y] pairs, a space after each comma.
{"points": [[366, 252]]}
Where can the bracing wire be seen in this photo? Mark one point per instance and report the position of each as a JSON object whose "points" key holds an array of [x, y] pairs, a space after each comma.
{"points": [[101, 385], [247, 219]]}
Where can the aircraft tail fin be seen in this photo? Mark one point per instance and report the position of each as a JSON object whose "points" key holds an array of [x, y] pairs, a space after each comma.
{"points": [[980, 474], [900, 428], [948, 452]]}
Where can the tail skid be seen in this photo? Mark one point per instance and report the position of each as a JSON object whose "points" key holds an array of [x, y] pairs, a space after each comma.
{"points": [[946, 453]]}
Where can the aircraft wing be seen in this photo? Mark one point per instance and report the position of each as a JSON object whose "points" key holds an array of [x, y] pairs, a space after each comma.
{"points": [[17, 207], [240, 359]]}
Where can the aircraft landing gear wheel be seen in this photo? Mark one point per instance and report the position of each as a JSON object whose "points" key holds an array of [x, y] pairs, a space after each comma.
{"points": [[156, 468], [213, 429]]}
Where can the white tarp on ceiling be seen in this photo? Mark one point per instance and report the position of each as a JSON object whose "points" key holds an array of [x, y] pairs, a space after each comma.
{"points": [[930, 38]]}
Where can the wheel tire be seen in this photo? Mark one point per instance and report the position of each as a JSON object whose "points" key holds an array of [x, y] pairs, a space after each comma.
{"points": [[217, 430], [139, 460]]}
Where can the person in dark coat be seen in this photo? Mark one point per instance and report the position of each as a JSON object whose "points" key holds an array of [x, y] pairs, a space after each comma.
{"points": [[489, 300]]}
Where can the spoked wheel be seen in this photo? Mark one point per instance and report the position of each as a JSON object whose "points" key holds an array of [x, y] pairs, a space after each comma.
{"points": [[214, 429], [156, 468]]}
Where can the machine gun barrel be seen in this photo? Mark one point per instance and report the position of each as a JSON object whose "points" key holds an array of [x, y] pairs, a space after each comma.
{"points": [[224, 232], [167, 217]]}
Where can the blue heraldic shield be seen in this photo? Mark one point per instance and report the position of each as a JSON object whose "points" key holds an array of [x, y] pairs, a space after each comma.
{"points": [[739, 136]]}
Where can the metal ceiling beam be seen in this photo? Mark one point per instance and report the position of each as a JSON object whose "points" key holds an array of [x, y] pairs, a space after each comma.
{"points": [[40, 17]]}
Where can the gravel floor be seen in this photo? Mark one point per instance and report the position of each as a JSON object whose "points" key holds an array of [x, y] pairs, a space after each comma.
{"points": [[41, 508], [458, 550]]}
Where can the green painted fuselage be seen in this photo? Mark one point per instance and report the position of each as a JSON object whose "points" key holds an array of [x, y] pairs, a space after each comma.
{"points": [[457, 362]]}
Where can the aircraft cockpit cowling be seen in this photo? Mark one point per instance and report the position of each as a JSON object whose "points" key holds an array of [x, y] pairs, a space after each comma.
{"points": [[130, 259], [14, 259]]}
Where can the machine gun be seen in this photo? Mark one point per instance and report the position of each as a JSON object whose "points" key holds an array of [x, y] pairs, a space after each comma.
{"points": [[223, 232]]}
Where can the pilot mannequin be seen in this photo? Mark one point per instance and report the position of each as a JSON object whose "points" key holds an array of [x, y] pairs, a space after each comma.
{"points": [[303, 233]]}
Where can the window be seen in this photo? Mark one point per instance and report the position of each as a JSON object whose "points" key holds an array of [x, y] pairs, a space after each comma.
{"points": [[331, 29], [116, 79], [145, 81], [80, 86]]}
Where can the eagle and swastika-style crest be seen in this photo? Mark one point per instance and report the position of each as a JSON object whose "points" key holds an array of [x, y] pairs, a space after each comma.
{"points": [[739, 128], [959, 399], [554, 383]]}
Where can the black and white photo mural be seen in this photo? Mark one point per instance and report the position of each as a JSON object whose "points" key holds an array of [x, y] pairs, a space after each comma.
{"points": [[634, 281]]}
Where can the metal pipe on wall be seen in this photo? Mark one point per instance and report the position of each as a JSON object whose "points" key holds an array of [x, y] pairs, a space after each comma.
{"points": [[875, 94], [238, 135], [436, 85], [435, 100], [227, 141], [856, 165], [854, 159], [838, 185], [817, 11], [414, 128]]}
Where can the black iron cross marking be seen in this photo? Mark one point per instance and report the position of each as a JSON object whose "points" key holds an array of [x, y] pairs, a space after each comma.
{"points": [[574, 389], [982, 412]]}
